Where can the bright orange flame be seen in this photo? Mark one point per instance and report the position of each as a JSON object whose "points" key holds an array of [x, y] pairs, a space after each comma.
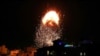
{"points": [[50, 18]]}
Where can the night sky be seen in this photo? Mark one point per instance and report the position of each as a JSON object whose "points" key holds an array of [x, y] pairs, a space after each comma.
{"points": [[20, 18]]}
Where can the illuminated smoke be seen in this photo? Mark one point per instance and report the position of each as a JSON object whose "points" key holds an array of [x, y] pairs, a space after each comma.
{"points": [[48, 31]]}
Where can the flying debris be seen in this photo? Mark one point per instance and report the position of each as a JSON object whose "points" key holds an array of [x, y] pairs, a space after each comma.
{"points": [[48, 31]]}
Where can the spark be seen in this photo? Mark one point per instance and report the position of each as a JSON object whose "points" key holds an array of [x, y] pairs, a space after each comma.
{"points": [[45, 35]]}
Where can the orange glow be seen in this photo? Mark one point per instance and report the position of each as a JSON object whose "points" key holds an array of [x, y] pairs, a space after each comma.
{"points": [[14, 52], [51, 18]]}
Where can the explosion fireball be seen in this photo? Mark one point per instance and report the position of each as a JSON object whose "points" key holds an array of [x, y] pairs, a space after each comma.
{"points": [[50, 18], [48, 31]]}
